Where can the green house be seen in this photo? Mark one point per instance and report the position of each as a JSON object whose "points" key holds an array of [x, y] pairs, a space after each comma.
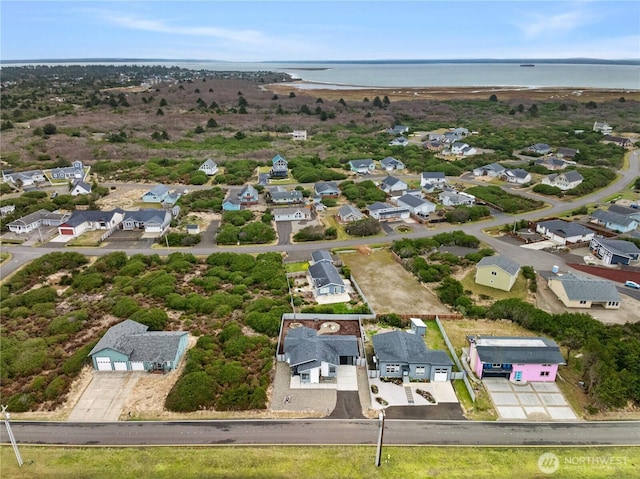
{"points": [[497, 272], [128, 346]]}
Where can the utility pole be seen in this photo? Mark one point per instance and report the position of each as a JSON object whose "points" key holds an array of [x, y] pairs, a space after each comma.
{"points": [[380, 433], [7, 416]]}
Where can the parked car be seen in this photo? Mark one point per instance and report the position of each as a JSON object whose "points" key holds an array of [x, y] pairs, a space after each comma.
{"points": [[632, 284]]}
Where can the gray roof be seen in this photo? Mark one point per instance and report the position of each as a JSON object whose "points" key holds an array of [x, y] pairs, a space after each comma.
{"points": [[389, 181], [248, 190], [286, 195], [572, 175], [159, 190], [433, 175], [564, 151], [36, 216], [82, 184], [412, 200], [209, 163], [347, 210], [624, 210], [551, 160], [518, 350], [132, 339], [492, 167], [403, 347], [323, 274], [361, 163], [378, 206], [146, 216], [540, 146], [620, 247], [322, 186], [613, 218], [321, 255], [390, 161], [501, 262], [304, 346], [82, 216], [518, 173], [565, 228], [582, 288]]}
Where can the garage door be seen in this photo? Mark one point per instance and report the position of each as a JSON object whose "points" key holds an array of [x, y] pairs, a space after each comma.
{"points": [[66, 231], [104, 364], [440, 375], [137, 366], [120, 365]]}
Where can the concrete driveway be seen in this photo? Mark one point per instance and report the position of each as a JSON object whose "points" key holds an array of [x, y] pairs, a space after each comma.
{"points": [[535, 401], [104, 397]]}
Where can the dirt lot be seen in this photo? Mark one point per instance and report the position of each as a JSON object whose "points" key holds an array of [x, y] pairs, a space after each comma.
{"points": [[389, 287]]}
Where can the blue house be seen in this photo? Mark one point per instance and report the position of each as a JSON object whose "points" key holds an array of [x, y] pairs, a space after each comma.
{"points": [[614, 221], [279, 167], [129, 346], [614, 251], [157, 194], [363, 167], [327, 189]]}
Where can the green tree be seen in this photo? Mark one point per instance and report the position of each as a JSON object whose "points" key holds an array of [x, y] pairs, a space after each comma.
{"points": [[493, 98], [212, 123], [49, 129]]}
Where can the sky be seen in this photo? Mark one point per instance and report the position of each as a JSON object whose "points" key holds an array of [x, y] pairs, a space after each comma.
{"points": [[250, 31]]}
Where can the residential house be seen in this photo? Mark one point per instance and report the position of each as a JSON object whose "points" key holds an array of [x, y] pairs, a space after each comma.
{"points": [[456, 198], [497, 272], [416, 205], [321, 255], [152, 221], [565, 181], [157, 194], [79, 187], [232, 201], [291, 214], [325, 279], [633, 213], [390, 163], [439, 137], [539, 149], [89, 220], [129, 346], [451, 137], [401, 353], [209, 167], [6, 210], [569, 153], [248, 196], [280, 196], [313, 356], [519, 359], [299, 135], [564, 232], [398, 130], [75, 171], [279, 167], [435, 178], [614, 221], [461, 132], [349, 213], [552, 163], [24, 178], [582, 292], [30, 222], [517, 176], [327, 189], [434, 145], [392, 185], [602, 127], [614, 251], [618, 140], [193, 228], [400, 141], [463, 149], [362, 167], [386, 212], [493, 170]]}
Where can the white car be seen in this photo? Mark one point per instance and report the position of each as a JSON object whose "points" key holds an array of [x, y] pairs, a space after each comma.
{"points": [[632, 284]]}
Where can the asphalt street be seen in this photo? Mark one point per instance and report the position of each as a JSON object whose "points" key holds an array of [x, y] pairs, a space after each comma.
{"points": [[326, 431]]}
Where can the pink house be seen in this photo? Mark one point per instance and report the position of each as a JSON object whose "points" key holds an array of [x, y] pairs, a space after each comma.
{"points": [[519, 359]]}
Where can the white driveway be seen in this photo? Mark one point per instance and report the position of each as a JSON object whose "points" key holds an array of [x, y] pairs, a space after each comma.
{"points": [[529, 401], [104, 397]]}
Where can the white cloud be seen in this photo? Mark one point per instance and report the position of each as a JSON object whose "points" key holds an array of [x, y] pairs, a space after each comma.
{"points": [[536, 25]]}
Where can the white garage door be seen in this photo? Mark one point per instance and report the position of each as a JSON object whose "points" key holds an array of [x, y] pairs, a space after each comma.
{"points": [[440, 375], [120, 365], [104, 364], [137, 366]]}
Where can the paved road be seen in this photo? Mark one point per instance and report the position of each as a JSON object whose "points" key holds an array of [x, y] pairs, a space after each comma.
{"points": [[323, 431]]}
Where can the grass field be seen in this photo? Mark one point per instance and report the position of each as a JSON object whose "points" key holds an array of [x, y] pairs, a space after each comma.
{"points": [[518, 290], [315, 462]]}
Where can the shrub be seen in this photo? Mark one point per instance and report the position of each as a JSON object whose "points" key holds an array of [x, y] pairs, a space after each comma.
{"points": [[191, 392], [125, 307]]}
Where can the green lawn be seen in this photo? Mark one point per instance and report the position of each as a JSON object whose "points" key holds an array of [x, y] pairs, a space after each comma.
{"points": [[296, 267], [518, 290], [315, 462]]}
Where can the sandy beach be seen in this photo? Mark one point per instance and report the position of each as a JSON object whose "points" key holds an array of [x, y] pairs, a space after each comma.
{"points": [[332, 92]]}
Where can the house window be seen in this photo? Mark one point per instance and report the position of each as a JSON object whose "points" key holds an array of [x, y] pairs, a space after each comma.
{"points": [[332, 369], [494, 273], [496, 365], [546, 365], [582, 301], [392, 368], [304, 377], [420, 371], [544, 373]]}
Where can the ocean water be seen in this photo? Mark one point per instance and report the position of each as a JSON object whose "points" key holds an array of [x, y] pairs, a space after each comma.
{"points": [[416, 74], [351, 75]]}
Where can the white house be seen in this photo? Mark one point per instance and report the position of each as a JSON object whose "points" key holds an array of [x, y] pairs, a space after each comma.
{"points": [[151, 220], [400, 141], [386, 212], [79, 187], [75, 171], [435, 178], [493, 170], [348, 213], [291, 214], [88, 220], [209, 167], [517, 176], [390, 163], [299, 135], [416, 205], [602, 127], [563, 232], [564, 181], [460, 148], [456, 198], [30, 222], [391, 185], [24, 178]]}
